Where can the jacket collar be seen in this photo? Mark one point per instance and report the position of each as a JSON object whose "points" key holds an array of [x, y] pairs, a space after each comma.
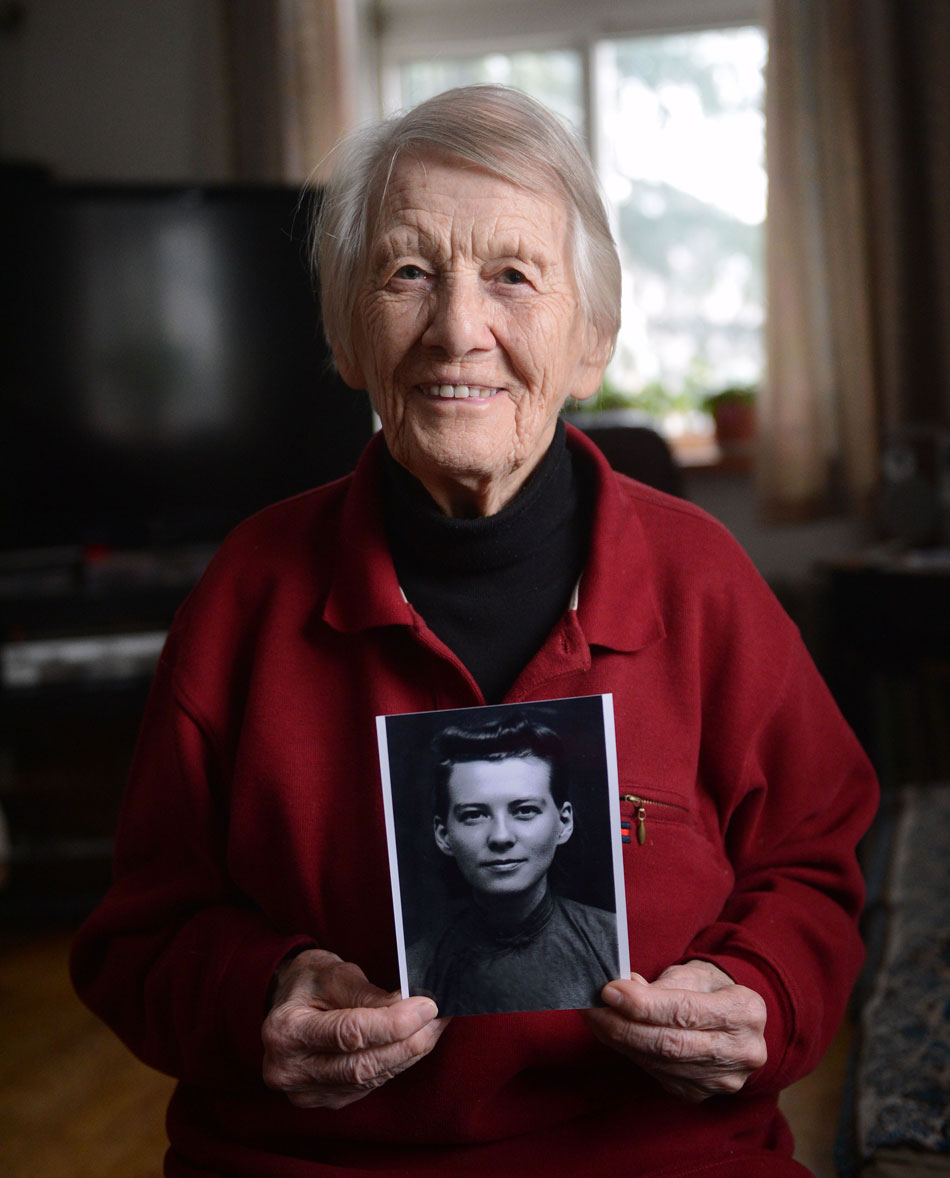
{"points": [[616, 605], [364, 591]]}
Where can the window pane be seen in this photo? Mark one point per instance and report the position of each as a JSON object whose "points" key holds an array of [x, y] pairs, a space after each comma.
{"points": [[681, 153], [553, 77]]}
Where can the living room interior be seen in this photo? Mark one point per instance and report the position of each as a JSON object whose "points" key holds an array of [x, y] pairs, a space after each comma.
{"points": [[141, 142]]}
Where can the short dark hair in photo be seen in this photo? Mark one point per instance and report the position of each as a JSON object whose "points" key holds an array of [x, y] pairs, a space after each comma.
{"points": [[510, 735]]}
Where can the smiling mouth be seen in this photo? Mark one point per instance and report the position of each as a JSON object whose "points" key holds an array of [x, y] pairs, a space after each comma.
{"points": [[457, 392]]}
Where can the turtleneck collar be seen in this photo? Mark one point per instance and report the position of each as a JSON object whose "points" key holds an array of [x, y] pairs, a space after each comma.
{"points": [[419, 529], [493, 935], [492, 588]]}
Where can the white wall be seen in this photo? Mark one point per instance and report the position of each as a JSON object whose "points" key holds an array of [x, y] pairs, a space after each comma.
{"points": [[116, 90]]}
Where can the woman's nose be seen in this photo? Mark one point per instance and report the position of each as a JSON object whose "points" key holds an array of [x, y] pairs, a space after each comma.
{"points": [[460, 322], [499, 834]]}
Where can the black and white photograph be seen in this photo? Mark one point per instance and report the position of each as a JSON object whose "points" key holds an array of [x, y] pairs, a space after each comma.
{"points": [[504, 844]]}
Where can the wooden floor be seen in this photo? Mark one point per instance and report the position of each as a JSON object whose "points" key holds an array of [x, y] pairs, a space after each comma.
{"points": [[75, 1104], [813, 1106], [73, 1101]]}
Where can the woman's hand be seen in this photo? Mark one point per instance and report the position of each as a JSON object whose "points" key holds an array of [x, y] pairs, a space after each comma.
{"points": [[332, 1037], [693, 1029]]}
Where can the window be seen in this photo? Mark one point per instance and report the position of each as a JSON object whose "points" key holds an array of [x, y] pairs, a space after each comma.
{"points": [[678, 140], [554, 77], [680, 153]]}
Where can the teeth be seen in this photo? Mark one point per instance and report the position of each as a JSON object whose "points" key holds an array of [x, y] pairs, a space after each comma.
{"points": [[456, 391]]}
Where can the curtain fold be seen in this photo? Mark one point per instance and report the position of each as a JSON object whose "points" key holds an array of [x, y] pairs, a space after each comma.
{"points": [[293, 84], [857, 244]]}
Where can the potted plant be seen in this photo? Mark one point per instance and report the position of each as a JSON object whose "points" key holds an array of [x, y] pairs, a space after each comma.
{"points": [[650, 404], [733, 412]]}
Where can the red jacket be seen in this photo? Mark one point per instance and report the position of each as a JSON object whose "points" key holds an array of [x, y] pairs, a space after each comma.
{"points": [[253, 823]]}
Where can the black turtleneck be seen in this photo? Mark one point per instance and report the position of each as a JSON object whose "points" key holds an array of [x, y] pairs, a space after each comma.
{"points": [[492, 588]]}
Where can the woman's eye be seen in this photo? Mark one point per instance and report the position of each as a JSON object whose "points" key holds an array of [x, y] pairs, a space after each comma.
{"points": [[513, 277], [527, 811], [470, 816], [410, 272]]}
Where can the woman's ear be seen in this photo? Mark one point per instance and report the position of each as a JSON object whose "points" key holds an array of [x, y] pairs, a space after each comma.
{"points": [[441, 837], [591, 365], [566, 815], [349, 369]]}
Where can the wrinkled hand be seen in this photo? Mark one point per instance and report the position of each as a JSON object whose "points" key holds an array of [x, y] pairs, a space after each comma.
{"points": [[693, 1029], [332, 1037]]}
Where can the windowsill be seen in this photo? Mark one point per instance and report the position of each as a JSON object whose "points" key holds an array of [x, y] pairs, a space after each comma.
{"points": [[701, 453], [692, 451]]}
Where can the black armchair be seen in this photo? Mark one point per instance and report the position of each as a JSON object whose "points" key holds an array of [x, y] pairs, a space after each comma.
{"points": [[638, 451]]}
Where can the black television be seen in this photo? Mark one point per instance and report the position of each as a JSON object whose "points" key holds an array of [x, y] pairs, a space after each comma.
{"points": [[165, 373]]}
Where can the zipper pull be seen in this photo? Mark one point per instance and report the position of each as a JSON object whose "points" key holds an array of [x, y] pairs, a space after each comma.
{"points": [[641, 817]]}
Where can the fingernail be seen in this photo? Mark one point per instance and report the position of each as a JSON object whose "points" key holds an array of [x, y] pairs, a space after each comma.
{"points": [[611, 995]]}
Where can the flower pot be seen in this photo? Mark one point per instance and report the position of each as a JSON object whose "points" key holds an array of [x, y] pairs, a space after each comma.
{"points": [[735, 426]]}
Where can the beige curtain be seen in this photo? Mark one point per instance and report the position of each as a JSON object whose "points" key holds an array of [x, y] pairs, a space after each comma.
{"points": [[293, 82], [858, 243]]}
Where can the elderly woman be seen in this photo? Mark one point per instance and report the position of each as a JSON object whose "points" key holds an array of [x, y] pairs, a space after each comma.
{"points": [[481, 552]]}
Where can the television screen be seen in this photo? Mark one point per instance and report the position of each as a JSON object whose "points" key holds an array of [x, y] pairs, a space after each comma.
{"points": [[165, 371]]}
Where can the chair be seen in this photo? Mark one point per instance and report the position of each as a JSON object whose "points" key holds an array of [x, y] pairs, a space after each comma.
{"points": [[640, 452]]}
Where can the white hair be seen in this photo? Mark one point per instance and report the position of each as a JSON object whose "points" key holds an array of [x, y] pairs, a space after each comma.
{"points": [[496, 128]]}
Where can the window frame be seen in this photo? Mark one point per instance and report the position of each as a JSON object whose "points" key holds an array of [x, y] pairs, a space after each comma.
{"points": [[409, 29]]}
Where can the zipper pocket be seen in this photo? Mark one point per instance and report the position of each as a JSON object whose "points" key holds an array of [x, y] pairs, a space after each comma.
{"points": [[641, 812]]}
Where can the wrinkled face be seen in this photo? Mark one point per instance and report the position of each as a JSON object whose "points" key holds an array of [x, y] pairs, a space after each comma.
{"points": [[503, 826], [468, 332]]}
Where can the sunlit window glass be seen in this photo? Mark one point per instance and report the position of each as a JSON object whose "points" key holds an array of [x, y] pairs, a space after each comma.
{"points": [[553, 77], [681, 156]]}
